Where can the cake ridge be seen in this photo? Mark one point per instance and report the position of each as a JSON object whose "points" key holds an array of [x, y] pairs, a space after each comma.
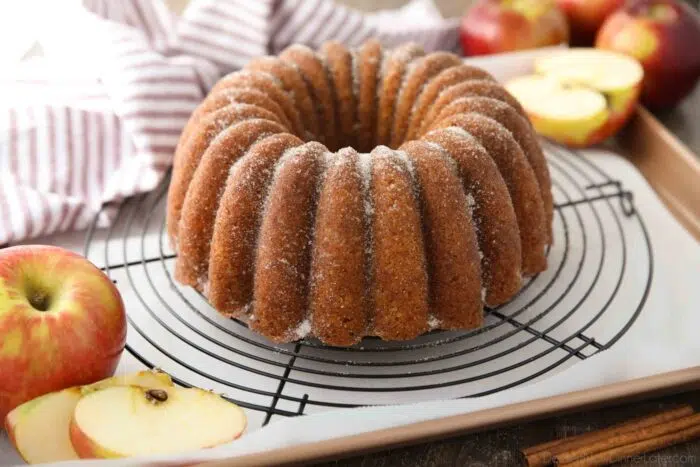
{"points": [[237, 225], [420, 71], [310, 68], [495, 218], [202, 199], [434, 86]]}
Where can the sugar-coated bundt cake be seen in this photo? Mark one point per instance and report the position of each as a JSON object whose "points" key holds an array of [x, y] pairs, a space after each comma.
{"points": [[345, 193]]}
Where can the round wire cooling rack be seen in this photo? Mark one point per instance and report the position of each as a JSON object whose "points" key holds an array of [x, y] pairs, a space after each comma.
{"points": [[587, 299]]}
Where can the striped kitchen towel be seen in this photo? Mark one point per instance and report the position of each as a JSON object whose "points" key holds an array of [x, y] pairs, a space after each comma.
{"points": [[97, 118]]}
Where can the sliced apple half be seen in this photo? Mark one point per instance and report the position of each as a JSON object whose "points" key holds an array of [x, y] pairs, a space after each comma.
{"points": [[129, 421], [39, 428], [580, 97]]}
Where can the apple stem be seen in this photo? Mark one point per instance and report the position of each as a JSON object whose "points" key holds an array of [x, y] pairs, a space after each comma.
{"points": [[156, 395]]}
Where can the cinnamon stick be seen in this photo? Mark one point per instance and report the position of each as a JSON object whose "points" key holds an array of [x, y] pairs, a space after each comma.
{"points": [[543, 454], [632, 437], [549, 444], [630, 450]]}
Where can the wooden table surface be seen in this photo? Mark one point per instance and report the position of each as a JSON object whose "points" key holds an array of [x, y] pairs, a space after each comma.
{"points": [[501, 447]]}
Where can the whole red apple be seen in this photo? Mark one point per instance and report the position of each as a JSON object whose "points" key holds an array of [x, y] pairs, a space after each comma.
{"points": [[62, 323], [664, 35], [585, 18], [495, 26]]}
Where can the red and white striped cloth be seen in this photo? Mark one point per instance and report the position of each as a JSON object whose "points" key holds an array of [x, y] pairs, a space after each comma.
{"points": [[99, 122]]}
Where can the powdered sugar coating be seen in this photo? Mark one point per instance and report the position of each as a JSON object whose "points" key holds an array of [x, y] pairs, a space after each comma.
{"points": [[418, 74], [522, 133], [520, 180], [281, 278], [434, 88], [399, 276], [339, 64], [238, 220], [338, 299], [293, 83], [393, 72], [451, 250], [208, 184], [319, 87], [497, 228]]}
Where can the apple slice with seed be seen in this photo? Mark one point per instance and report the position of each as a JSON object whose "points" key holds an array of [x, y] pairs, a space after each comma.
{"points": [[129, 421], [39, 428]]}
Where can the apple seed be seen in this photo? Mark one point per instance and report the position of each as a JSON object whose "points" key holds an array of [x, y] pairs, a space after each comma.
{"points": [[156, 395]]}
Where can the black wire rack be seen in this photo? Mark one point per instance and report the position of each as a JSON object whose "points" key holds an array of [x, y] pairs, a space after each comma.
{"points": [[587, 299]]}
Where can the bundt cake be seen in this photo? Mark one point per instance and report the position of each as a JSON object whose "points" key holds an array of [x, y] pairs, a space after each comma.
{"points": [[345, 193]]}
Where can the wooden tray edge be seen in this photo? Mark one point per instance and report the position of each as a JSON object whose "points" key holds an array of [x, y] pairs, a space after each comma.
{"points": [[668, 165], [651, 386]]}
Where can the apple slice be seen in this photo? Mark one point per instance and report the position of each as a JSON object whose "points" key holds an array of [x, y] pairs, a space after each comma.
{"points": [[39, 428], [129, 421], [580, 97], [603, 70], [560, 112]]}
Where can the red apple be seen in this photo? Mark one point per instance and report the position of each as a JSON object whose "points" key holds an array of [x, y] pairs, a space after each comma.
{"points": [[495, 26], [664, 35], [62, 323], [586, 16]]}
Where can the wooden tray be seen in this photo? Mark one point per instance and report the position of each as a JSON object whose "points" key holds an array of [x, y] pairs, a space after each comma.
{"points": [[673, 171]]}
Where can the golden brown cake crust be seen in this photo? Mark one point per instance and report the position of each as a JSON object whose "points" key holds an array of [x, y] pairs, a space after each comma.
{"points": [[339, 61], [228, 96], [266, 83], [466, 89], [280, 287], [273, 227], [368, 63], [338, 303], [520, 180], [496, 224], [294, 84], [221, 96], [202, 200], [399, 278], [190, 154], [423, 70], [320, 90], [237, 223], [432, 89], [523, 134], [452, 254], [393, 70]]}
